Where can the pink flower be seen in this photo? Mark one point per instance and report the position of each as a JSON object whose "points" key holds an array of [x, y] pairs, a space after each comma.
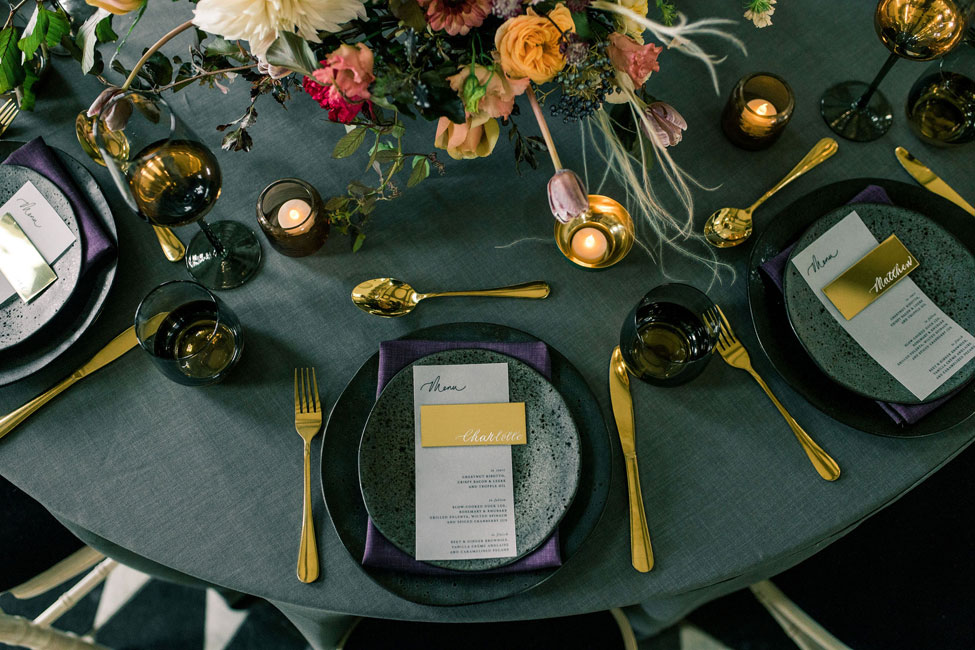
{"points": [[666, 126], [466, 140], [567, 196], [118, 115], [488, 94], [636, 60], [342, 85], [456, 16]]}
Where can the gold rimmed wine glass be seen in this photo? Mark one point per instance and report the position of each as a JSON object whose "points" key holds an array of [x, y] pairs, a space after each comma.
{"points": [[918, 30], [169, 178]]}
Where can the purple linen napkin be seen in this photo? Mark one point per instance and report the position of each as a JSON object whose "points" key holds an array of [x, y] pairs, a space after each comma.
{"points": [[774, 268], [96, 245], [393, 357]]}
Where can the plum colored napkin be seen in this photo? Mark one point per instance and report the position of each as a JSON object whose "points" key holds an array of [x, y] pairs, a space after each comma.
{"points": [[774, 268], [393, 357], [96, 244]]}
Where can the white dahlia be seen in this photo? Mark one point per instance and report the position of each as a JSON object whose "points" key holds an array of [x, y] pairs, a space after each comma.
{"points": [[259, 21]]}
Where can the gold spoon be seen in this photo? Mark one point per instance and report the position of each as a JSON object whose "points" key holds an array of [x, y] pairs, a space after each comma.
{"points": [[732, 226], [172, 247], [390, 297]]}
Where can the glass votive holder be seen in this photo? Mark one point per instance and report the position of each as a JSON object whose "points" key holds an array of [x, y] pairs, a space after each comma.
{"points": [[292, 216], [599, 237], [757, 111]]}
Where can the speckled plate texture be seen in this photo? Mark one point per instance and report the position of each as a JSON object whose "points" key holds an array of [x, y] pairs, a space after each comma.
{"points": [[19, 320], [87, 300], [347, 513], [946, 275], [545, 469]]}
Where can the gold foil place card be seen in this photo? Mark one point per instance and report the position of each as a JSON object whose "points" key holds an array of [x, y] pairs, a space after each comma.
{"points": [[471, 425], [870, 277], [20, 261]]}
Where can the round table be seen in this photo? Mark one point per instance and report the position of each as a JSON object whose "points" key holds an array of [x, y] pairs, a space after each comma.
{"points": [[206, 482]]}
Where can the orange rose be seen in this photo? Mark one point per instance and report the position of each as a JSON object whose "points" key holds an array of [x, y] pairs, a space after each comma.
{"points": [[528, 45], [117, 7]]}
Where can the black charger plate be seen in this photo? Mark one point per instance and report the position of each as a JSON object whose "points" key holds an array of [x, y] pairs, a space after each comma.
{"points": [[88, 299], [780, 343], [340, 484]]}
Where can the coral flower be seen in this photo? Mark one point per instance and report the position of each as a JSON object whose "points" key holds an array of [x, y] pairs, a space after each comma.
{"points": [[636, 60], [466, 140], [489, 94], [342, 85], [456, 16]]}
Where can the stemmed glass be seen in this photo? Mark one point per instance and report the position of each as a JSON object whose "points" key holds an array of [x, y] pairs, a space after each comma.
{"points": [[918, 30], [169, 178]]}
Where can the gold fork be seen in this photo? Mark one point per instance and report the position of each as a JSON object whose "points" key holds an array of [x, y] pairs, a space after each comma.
{"points": [[308, 421], [8, 112], [736, 356]]}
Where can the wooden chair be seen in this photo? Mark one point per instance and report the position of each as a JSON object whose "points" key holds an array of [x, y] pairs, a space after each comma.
{"points": [[40, 554]]}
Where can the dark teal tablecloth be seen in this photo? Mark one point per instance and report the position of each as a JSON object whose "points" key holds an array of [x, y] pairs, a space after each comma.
{"points": [[207, 481]]}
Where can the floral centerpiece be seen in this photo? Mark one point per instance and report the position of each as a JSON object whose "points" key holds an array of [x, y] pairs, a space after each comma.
{"points": [[380, 67]]}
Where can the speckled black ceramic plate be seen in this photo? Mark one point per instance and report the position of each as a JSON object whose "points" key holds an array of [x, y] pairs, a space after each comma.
{"points": [[86, 301], [946, 275], [545, 468], [340, 485], [19, 320], [780, 343]]}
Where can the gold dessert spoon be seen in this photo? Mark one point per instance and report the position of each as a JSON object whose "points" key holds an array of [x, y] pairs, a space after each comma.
{"points": [[732, 226], [390, 297], [172, 247]]}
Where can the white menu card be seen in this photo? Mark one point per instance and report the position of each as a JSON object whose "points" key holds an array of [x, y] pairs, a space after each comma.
{"points": [[464, 495], [42, 225], [904, 331]]}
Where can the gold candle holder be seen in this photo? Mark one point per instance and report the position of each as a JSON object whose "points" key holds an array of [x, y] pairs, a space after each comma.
{"points": [[599, 237], [758, 109]]}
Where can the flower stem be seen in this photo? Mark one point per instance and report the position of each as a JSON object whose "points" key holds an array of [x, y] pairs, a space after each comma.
{"points": [[152, 50], [543, 125]]}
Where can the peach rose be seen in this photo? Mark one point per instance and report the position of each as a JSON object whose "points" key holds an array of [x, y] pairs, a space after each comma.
{"points": [[636, 60], [465, 140], [117, 7], [348, 72], [528, 45], [490, 93]]}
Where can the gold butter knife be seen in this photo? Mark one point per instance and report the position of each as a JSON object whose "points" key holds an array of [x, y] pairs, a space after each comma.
{"points": [[116, 348], [641, 554], [930, 180]]}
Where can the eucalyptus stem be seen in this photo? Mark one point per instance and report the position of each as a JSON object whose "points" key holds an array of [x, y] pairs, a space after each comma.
{"points": [[152, 50], [543, 125]]}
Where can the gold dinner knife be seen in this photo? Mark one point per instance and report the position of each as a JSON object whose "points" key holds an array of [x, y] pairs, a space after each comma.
{"points": [[930, 180], [641, 554], [116, 348]]}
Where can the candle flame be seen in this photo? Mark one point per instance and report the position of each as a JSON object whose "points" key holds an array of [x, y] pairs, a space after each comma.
{"points": [[294, 214], [590, 241], [763, 109]]}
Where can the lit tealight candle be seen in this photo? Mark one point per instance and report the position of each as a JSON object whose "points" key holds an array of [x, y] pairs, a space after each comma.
{"points": [[589, 244], [293, 216], [758, 116]]}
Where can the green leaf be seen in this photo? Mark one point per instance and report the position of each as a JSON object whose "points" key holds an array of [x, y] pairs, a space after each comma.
{"points": [[104, 32], [28, 96], [292, 52], [583, 29], [223, 47], [157, 70], [29, 44], [387, 156], [421, 170], [349, 143], [409, 13], [11, 70], [360, 239], [87, 39], [58, 26], [336, 203]]}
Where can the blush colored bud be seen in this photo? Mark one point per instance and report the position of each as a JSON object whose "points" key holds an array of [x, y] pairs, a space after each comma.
{"points": [[118, 114], [666, 126], [567, 196], [273, 71]]}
